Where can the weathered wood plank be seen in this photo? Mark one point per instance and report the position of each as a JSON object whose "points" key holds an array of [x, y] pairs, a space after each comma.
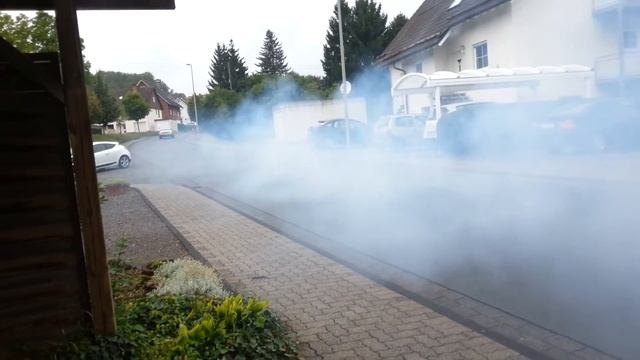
{"points": [[37, 232], [95, 254]]}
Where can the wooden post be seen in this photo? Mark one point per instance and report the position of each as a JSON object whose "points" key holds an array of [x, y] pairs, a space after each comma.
{"points": [[84, 167]]}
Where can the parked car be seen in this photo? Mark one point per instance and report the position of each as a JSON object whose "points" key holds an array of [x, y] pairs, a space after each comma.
{"points": [[333, 132], [594, 126], [400, 130], [498, 128], [111, 154], [166, 134]]}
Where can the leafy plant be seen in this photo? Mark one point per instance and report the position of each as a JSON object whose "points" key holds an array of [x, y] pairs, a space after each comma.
{"points": [[161, 327], [121, 248]]}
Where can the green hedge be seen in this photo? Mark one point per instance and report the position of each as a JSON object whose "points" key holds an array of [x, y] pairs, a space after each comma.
{"points": [[122, 138]]}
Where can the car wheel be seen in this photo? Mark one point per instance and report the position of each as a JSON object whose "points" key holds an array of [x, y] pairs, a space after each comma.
{"points": [[124, 162]]}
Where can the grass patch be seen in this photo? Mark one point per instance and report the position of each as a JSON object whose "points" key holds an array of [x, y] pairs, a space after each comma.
{"points": [[122, 138], [153, 326]]}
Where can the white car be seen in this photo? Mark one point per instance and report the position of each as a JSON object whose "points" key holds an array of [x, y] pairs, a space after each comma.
{"points": [[166, 133], [400, 130], [111, 154]]}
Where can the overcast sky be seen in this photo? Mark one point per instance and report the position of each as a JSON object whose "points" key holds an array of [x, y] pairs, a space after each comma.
{"points": [[163, 42]]}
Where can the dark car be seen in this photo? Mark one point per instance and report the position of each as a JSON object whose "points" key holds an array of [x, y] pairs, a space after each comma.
{"points": [[333, 132], [499, 128], [608, 124]]}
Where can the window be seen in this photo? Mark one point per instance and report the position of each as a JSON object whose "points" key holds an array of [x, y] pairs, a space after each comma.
{"points": [[481, 52], [630, 39], [97, 148], [419, 67]]}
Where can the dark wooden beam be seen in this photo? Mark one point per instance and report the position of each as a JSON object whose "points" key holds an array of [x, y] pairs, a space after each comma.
{"points": [[84, 167], [90, 4], [28, 70]]}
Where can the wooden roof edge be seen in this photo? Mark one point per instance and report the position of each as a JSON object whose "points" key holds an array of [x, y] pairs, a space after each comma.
{"points": [[21, 63], [24, 5]]}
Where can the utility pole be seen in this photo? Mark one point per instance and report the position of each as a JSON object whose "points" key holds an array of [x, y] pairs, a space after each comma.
{"points": [[622, 70], [344, 78], [195, 100]]}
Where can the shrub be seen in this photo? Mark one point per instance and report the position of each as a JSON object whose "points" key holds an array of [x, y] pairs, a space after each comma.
{"points": [[188, 277]]}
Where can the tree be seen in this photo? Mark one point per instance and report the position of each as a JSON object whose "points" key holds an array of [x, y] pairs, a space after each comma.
{"points": [[272, 60], [30, 34], [368, 25], [108, 104], [394, 28], [135, 107], [228, 69], [95, 110], [219, 69], [331, 63], [366, 35]]}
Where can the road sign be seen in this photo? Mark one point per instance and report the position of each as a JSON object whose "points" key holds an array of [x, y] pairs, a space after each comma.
{"points": [[345, 88]]}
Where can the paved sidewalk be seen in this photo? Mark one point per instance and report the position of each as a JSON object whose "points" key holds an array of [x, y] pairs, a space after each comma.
{"points": [[337, 313]]}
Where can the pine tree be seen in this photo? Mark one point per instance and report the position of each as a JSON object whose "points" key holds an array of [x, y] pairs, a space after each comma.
{"points": [[368, 26], [331, 64], [227, 70], [394, 28], [239, 71], [219, 69], [108, 104], [272, 60]]}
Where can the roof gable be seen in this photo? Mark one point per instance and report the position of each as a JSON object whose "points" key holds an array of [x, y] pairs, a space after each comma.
{"points": [[431, 22]]}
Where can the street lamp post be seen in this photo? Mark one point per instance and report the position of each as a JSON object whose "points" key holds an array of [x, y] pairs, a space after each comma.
{"points": [[344, 78], [195, 100]]}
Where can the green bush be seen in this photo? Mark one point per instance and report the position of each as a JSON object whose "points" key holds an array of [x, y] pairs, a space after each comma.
{"points": [[154, 326]]}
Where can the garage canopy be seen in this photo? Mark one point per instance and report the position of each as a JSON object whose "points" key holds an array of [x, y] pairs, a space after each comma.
{"points": [[445, 82]]}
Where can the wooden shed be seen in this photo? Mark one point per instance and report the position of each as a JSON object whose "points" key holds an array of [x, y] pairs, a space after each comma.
{"points": [[53, 266]]}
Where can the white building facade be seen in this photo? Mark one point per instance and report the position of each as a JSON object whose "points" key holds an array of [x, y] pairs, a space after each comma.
{"points": [[499, 34]]}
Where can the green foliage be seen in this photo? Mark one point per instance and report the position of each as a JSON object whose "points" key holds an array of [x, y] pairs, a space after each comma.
{"points": [[95, 109], [178, 327], [394, 28], [109, 109], [366, 35], [122, 138], [272, 60], [331, 62], [121, 247], [30, 34], [227, 70], [134, 106]]}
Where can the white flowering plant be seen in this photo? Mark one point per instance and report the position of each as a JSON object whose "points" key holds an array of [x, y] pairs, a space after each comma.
{"points": [[188, 277]]}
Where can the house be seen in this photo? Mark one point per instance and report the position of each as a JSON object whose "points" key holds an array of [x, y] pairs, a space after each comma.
{"points": [[495, 35], [185, 119], [165, 112]]}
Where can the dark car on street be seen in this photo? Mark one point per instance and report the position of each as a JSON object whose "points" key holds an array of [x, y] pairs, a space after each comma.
{"points": [[594, 126], [333, 132], [567, 126]]}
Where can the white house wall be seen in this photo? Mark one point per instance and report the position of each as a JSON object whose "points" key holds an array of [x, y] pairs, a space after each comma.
{"points": [[522, 33]]}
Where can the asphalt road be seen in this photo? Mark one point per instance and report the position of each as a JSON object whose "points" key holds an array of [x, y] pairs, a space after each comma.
{"points": [[552, 240]]}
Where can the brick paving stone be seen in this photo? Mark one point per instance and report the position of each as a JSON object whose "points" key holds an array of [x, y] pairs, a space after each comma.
{"points": [[335, 312]]}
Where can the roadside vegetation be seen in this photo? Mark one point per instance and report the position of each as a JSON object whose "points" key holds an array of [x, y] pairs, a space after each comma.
{"points": [[122, 138], [161, 316]]}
